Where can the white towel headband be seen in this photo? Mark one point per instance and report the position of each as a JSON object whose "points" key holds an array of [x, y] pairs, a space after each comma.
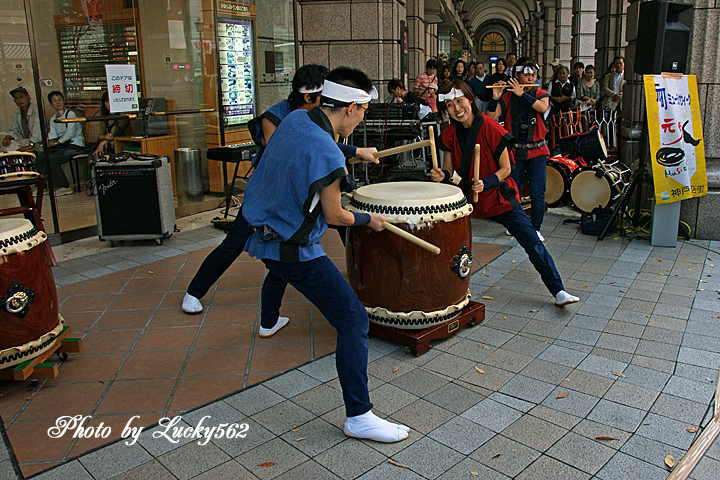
{"points": [[451, 95], [343, 93], [527, 69]]}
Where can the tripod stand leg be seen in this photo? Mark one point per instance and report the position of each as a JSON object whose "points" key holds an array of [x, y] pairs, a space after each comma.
{"points": [[637, 176]]}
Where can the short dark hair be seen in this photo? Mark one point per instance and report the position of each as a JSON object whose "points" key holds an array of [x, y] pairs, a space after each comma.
{"points": [[578, 64], [105, 98], [562, 67], [463, 87], [432, 63], [524, 62], [308, 76], [350, 77], [53, 94], [590, 67], [618, 57], [394, 84]]}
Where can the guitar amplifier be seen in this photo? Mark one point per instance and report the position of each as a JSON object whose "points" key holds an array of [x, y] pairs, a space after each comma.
{"points": [[134, 200]]}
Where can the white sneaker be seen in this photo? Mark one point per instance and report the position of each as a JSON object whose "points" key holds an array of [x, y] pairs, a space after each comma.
{"points": [[62, 191], [542, 239], [269, 332], [371, 427], [563, 298], [191, 304]]}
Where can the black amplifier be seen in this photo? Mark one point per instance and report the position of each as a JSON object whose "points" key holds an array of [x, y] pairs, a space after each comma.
{"points": [[134, 200], [241, 152]]}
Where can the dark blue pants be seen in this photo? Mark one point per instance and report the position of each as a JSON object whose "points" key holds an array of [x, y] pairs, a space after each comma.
{"points": [[323, 284], [535, 168], [517, 223], [220, 260]]}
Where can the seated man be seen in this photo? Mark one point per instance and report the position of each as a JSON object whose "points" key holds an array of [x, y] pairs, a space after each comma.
{"points": [[24, 123], [302, 161], [397, 88], [65, 141]]}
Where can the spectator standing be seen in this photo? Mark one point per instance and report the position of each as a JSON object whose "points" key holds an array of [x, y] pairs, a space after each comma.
{"points": [[588, 90], [499, 75], [424, 79], [458, 71], [65, 141], [562, 91], [471, 70], [554, 65], [577, 75], [479, 84], [612, 85], [445, 74], [432, 98], [510, 61]]}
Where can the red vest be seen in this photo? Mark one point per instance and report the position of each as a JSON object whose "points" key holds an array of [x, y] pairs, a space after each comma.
{"points": [[492, 138], [539, 129]]}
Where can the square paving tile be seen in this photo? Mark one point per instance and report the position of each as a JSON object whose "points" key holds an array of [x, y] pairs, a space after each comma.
{"points": [[283, 455], [580, 452], [616, 415], [492, 415], [468, 468], [388, 399], [422, 416], [283, 417], [631, 395], [461, 435], [546, 467], [625, 467], [454, 398], [666, 430], [350, 459], [534, 432], [527, 389], [419, 382], [314, 437], [428, 458], [651, 451], [513, 457], [193, 459]]}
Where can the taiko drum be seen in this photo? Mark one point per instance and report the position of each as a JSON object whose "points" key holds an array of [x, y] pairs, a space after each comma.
{"points": [[400, 284], [29, 320]]}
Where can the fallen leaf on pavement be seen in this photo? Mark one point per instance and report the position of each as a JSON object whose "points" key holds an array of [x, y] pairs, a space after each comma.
{"points": [[533, 311], [301, 438], [485, 297], [496, 455], [670, 461], [482, 346], [563, 395], [692, 430], [474, 474], [397, 464], [479, 370], [395, 369], [618, 374], [605, 438], [266, 464]]}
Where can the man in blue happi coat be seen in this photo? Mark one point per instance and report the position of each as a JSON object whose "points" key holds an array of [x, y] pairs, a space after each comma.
{"points": [[290, 200]]}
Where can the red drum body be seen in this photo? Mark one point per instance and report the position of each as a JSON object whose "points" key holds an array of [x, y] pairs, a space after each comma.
{"points": [[590, 145], [29, 319], [594, 187], [558, 175], [17, 170], [400, 284]]}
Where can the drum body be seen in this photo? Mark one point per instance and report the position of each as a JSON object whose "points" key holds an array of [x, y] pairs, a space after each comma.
{"points": [[590, 145], [29, 317], [17, 170], [400, 284], [594, 187], [558, 176]]}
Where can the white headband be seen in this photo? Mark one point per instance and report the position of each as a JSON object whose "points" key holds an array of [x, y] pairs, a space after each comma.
{"points": [[343, 93], [304, 89], [451, 95], [527, 69]]}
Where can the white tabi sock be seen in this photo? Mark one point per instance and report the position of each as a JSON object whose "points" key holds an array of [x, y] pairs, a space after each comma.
{"points": [[371, 427], [563, 298], [191, 304]]}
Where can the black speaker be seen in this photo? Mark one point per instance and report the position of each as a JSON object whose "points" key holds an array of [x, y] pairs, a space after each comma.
{"points": [[663, 37]]}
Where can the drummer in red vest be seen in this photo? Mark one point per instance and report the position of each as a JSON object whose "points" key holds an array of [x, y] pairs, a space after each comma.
{"points": [[498, 197], [523, 109]]}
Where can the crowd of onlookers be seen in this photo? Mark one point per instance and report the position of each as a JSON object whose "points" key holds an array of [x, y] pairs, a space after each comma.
{"points": [[576, 89]]}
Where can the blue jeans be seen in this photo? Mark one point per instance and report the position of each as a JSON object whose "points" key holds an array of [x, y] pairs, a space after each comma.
{"points": [[535, 168], [323, 284], [517, 223]]}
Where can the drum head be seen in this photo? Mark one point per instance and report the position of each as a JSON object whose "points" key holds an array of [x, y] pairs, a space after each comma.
{"points": [[412, 202], [588, 191], [554, 185], [19, 155]]}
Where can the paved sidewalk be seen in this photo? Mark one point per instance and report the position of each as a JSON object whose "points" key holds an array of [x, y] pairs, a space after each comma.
{"points": [[637, 358]]}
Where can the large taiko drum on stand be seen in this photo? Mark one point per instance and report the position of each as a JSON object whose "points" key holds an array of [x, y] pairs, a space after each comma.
{"points": [[598, 187], [401, 284], [17, 170], [29, 319], [558, 175]]}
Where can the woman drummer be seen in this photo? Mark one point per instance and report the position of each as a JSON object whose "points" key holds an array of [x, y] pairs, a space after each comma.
{"points": [[498, 198]]}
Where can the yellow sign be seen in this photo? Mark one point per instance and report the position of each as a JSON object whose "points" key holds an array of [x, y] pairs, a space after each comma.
{"points": [[677, 149]]}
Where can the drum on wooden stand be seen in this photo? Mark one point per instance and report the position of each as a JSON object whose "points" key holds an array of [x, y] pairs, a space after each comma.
{"points": [[594, 186], [590, 145], [29, 319], [558, 175], [17, 170], [400, 284]]}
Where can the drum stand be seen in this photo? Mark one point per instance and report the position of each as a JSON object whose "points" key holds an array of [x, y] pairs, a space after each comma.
{"points": [[637, 182], [418, 341]]}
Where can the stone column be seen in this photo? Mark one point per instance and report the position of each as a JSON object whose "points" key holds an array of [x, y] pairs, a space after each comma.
{"points": [[364, 34], [583, 31], [532, 47], [417, 38], [609, 34], [563, 30], [538, 53], [548, 41]]}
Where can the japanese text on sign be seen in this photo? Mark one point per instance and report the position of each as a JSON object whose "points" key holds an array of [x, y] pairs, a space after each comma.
{"points": [[122, 88]]}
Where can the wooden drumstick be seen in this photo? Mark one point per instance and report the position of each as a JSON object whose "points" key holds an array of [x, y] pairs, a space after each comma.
{"points": [[477, 169], [411, 238], [433, 150], [395, 150]]}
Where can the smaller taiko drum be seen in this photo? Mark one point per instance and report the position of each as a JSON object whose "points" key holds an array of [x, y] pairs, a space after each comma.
{"points": [[400, 284], [17, 169], [558, 175], [29, 319], [598, 187]]}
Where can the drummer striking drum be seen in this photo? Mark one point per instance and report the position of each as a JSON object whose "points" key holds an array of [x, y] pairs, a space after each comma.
{"points": [[498, 198], [290, 199]]}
